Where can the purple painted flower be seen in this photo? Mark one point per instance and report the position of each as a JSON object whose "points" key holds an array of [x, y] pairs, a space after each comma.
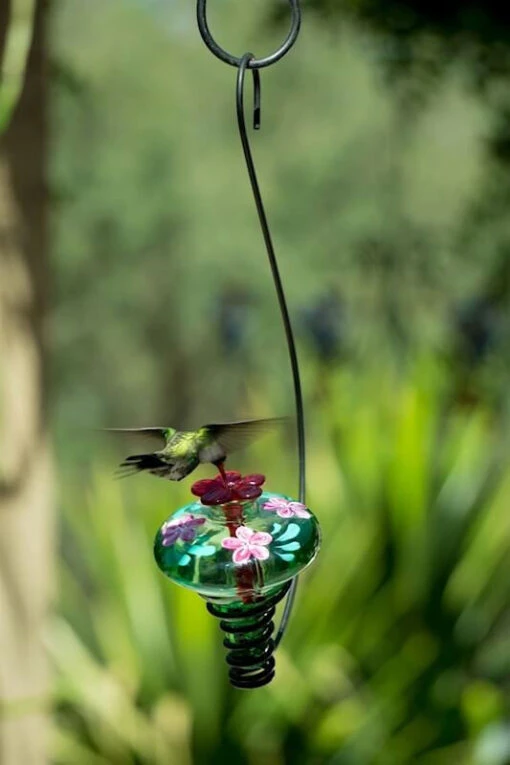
{"points": [[286, 508], [184, 528], [247, 544]]}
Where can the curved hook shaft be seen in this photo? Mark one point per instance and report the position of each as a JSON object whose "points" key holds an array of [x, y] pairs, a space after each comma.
{"points": [[254, 63], [298, 396]]}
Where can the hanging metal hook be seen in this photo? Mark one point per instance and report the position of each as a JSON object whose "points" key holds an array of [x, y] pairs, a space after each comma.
{"points": [[245, 62], [254, 63]]}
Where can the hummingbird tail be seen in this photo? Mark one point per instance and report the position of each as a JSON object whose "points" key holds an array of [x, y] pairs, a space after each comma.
{"points": [[138, 463]]}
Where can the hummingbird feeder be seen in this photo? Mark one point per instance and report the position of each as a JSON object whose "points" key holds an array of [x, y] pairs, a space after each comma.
{"points": [[240, 548]]}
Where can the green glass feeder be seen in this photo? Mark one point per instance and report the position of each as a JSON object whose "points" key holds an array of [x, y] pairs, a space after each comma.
{"points": [[239, 547]]}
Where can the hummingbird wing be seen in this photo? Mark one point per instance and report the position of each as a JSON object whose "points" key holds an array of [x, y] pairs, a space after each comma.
{"points": [[155, 437], [236, 435]]}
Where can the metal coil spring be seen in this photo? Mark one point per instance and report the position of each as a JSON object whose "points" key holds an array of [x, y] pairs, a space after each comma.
{"points": [[249, 639]]}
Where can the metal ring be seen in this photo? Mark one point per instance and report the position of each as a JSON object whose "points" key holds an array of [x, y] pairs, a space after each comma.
{"points": [[255, 63]]}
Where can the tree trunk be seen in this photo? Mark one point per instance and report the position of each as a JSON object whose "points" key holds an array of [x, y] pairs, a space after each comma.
{"points": [[26, 522]]}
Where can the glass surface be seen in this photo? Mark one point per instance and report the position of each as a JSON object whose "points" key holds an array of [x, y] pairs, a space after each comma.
{"points": [[239, 550]]}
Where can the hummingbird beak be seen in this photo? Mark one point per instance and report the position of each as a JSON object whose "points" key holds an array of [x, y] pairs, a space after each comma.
{"points": [[221, 467]]}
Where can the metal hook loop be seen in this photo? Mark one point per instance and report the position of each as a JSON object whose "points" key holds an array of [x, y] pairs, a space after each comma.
{"points": [[255, 63]]}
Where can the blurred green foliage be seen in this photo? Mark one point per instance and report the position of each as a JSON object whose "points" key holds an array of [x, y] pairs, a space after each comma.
{"points": [[154, 221], [419, 34], [398, 652], [399, 648]]}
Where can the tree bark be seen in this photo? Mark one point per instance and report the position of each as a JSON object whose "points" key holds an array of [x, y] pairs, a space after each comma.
{"points": [[26, 510]]}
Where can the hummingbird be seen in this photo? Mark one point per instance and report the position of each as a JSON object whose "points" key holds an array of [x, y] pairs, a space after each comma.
{"points": [[181, 452]]}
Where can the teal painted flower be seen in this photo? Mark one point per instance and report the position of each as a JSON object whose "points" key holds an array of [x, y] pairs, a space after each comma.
{"points": [[285, 541]]}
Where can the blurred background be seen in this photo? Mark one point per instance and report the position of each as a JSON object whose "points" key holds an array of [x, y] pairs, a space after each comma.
{"points": [[134, 290]]}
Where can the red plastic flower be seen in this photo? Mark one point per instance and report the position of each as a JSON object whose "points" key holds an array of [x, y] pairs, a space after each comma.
{"points": [[235, 488]]}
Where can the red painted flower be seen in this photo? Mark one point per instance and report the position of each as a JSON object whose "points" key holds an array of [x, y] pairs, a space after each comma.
{"points": [[236, 488]]}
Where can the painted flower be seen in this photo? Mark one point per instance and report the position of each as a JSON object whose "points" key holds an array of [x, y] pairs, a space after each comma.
{"points": [[286, 542], [247, 544], [235, 487], [184, 528], [286, 508]]}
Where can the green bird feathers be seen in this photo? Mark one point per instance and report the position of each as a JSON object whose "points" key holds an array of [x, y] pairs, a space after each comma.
{"points": [[181, 451]]}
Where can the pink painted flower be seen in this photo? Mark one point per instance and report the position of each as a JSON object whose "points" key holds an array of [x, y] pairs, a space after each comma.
{"points": [[184, 528], [247, 544], [235, 487], [286, 508]]}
